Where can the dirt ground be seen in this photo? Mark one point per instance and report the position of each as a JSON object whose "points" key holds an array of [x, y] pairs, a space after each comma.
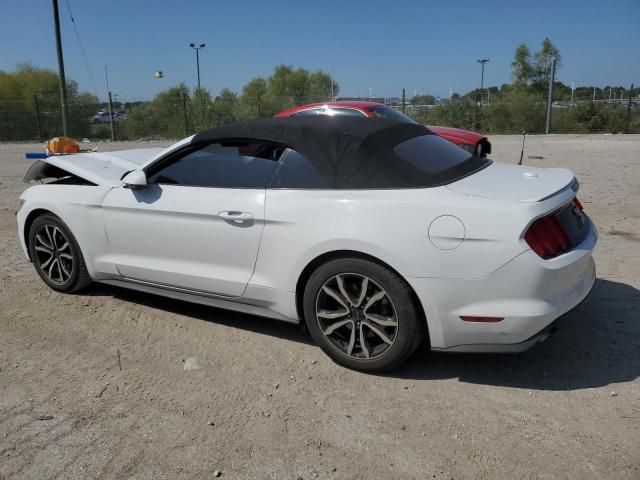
{"points": [[197, 390]]}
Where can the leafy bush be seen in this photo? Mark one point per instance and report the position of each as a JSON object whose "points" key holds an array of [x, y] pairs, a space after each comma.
{"points": [[518, 109], [457, 114]]}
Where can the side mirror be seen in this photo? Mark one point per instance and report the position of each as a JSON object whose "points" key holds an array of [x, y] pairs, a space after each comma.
{"points": [[135, 180]]}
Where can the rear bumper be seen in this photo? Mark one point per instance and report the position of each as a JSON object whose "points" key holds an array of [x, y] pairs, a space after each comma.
{"points": [[528, 292], [535, 339]]}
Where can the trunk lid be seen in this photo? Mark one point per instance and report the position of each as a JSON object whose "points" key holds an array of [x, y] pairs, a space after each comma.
{"points": [[501, 181], [100, 168]]}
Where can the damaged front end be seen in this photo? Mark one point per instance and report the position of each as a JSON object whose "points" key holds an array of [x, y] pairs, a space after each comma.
{"points": [[46, 173]]}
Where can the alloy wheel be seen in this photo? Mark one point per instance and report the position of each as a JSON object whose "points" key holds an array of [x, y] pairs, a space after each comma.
{"points": [[53, 254], [357, 315]]}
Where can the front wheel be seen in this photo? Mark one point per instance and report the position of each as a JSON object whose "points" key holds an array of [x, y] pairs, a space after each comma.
{"points": [[56, 255], [362, 315]]}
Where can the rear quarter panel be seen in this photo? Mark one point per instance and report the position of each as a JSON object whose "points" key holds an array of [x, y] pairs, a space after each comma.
{"points": [[391, 225]]}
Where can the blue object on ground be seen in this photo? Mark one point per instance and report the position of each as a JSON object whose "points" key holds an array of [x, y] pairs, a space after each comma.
{"points": [[36, 155]]}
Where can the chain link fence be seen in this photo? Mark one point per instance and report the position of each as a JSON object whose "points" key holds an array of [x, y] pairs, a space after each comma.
{"points": [[181, 113], [519, 111], [39, 117]]}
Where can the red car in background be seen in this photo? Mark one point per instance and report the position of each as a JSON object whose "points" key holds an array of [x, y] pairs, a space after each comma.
{"points": [[473, 142]]}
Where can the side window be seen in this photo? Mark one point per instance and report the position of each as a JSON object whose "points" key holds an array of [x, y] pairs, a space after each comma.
{"points": [[312, 112], [224, 165], [331, 111], [347, 112], [296, 171]]}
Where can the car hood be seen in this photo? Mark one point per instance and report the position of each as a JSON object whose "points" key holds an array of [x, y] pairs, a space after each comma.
{"points": [[503, 181], [100, 168], [458, 134]]}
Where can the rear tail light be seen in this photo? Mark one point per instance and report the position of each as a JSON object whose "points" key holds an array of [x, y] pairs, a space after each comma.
{"points": [[577, 203], [546, 236]]}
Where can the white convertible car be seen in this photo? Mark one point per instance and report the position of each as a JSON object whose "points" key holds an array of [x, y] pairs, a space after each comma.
{"points": [[378, 235]]}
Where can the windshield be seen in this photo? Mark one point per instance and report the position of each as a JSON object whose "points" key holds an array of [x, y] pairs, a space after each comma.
{"points": [[382, 111]]}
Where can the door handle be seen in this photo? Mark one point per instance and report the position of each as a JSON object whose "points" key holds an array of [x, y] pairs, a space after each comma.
{"points": [[237, 217]]}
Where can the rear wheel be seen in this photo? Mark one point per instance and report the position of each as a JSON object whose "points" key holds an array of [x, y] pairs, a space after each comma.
{"points": [[56, 255], [362, 315]]}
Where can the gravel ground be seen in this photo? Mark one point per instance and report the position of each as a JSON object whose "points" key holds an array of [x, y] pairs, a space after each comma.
{"points": [[196, 390]]}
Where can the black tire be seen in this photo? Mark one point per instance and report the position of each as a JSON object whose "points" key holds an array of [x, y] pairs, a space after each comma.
{"points": [[70, 273], [399, 301]]}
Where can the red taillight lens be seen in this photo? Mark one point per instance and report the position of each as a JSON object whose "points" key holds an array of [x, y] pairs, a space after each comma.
{"points": [[547, 238], [578, 204]]}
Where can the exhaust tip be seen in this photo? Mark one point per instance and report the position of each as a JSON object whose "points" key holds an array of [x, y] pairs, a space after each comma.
{"points": [[545, 336]]}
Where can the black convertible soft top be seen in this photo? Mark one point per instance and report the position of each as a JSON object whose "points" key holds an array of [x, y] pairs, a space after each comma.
{"points": [[354, 152]]}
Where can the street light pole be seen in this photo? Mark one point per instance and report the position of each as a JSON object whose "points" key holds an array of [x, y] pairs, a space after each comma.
{"points": [[197, 49], [482, 62]]}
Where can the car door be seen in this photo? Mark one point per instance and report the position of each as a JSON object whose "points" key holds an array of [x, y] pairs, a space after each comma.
{"points": [[197, 224]]}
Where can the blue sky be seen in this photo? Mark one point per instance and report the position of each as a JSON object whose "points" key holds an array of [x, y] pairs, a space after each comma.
{"points": [[423, 45]]}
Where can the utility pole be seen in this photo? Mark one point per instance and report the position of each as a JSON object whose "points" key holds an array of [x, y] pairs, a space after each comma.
{"points": [[35, 101], [594, 94], [403, 100], [111, 123], [629, 108], [63, 81], [260, 103], [482, 62], [332, 86], [184, 109], [573, 87], [197, 49], [550, 98]]}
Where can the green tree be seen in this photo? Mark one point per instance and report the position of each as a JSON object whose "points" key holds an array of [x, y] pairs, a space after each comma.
{"points": [[457, 114], [253, 101], [163, 117], [225, 107], [423, 100], [289, 87], [201, 112], [522, 70], [543, 59], [319, 87]]}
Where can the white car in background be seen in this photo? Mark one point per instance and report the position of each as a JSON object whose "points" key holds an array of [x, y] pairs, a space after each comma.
{"points": [[101, 116], [379, 235]]}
